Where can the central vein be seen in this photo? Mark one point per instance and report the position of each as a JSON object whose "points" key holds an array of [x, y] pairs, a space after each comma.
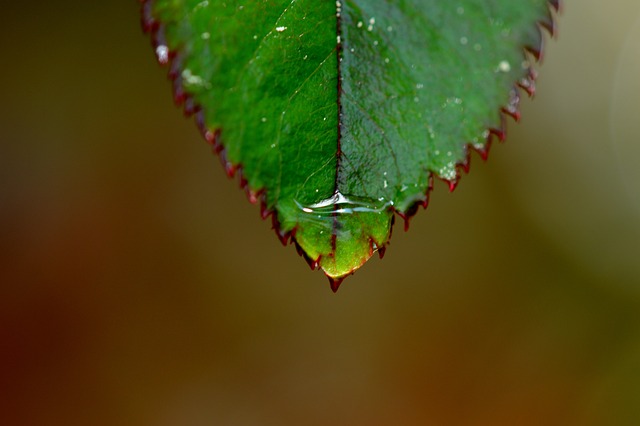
{"points": [[334, 234]]}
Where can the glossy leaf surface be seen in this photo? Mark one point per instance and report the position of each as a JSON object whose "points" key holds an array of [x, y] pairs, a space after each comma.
{"points": [[338, 114]]}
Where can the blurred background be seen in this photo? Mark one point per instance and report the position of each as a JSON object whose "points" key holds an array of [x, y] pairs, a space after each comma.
{"points": [[139, 287]]}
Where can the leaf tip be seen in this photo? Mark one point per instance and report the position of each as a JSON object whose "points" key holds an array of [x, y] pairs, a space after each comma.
{"points": [[335, 283]]}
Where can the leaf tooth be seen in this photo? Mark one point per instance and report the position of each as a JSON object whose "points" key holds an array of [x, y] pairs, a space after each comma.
{"points": [[375, 246], [251, 195], [554, 9], [406, 216], [285, 237], [536, 51], [451, 183], [549, 24], [511, 108], [381, 251], [313, 263], [241, 179], [191, 107], [149, 24], [264, 210], [483, 150], [512, 112], [528, 84], [501, 131], [413, 208], [158, 39], [229, 168], [179, 94], [335, 282], [465, 164], [211, 136]]}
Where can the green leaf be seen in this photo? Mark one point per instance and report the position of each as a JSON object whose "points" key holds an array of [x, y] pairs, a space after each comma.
{"points": [[338, 114]]}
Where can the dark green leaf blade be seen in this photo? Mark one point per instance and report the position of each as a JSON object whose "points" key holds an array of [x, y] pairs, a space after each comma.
{"points": [[338, 114]]}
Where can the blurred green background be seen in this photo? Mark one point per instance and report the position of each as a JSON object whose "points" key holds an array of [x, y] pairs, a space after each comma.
{"points": [[139, 287]]}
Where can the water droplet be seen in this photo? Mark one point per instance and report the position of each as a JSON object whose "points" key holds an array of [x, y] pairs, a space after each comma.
{"points": [[448, 171], [162, 53], [191, 79], [432, 135], [280, 29], [201, 5], [504, 66], [322, 212]]}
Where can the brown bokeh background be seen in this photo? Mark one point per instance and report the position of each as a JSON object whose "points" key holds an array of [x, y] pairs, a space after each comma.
{"points": [[138, 286]]}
